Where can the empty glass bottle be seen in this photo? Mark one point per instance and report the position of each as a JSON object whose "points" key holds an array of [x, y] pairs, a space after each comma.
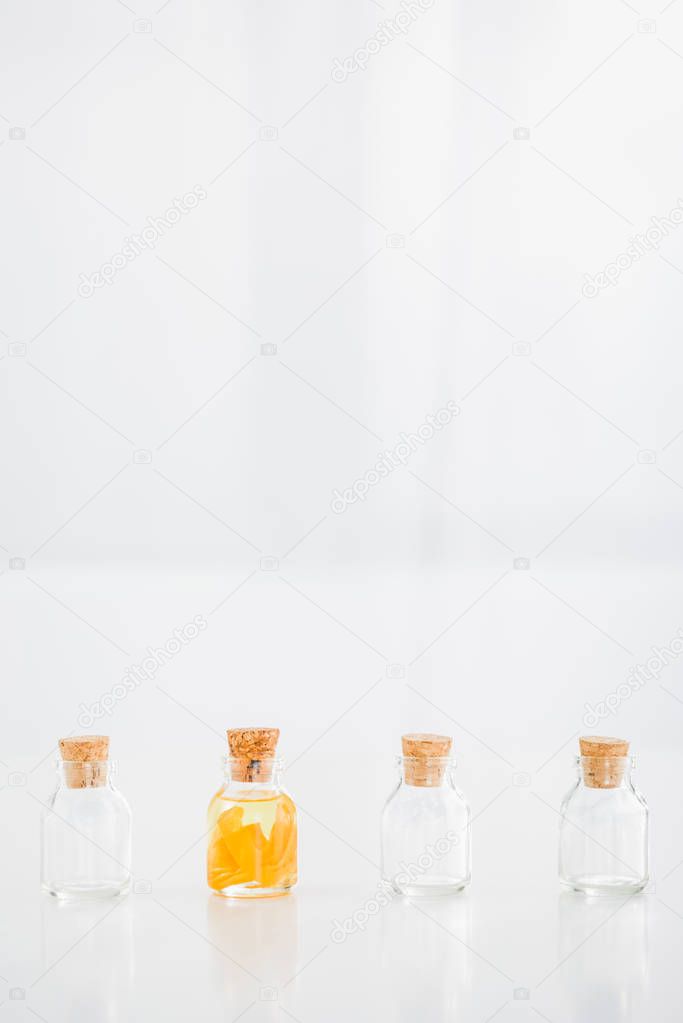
{"points": [[252, 821], [426, 822], [86, 830], [604, 826]]}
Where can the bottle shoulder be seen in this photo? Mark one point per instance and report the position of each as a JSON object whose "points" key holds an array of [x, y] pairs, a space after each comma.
{"points": [[416, 799], [624, 799], [96, 801], [227, 793]]}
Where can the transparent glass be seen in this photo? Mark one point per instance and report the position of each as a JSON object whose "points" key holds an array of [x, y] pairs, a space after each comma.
{"points": [[604, 833], [86, 834], [426, 833], [252, 849]]}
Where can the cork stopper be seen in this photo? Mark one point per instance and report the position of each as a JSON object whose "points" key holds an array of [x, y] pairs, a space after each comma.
{"points": [[252, 750], [84, 759], [602, 761], [420, 750]]}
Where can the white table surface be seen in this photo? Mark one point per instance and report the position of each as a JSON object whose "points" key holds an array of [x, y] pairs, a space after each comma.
{"points": [[174, 953], [513, 947]]}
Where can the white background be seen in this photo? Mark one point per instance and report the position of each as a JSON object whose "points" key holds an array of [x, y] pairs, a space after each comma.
{"points": [[416, 234]]}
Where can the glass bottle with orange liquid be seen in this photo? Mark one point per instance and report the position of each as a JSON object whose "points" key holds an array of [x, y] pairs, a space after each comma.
{"points": [[252, 821]]}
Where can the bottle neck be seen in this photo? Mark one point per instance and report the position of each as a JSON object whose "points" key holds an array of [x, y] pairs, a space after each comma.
{"points": [[605, 772], [253, 773], [426, 772], [85, 774]]}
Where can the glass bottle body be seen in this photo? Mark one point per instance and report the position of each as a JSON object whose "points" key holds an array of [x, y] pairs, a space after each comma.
{"points": [[86, 834], [252, 825], [604, 833], [426, 836]]}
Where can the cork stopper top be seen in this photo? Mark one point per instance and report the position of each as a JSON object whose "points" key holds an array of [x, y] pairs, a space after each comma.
{"points": [[602, 760], [602, 746], [84, 759], [252, 749], [423, 753]]}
